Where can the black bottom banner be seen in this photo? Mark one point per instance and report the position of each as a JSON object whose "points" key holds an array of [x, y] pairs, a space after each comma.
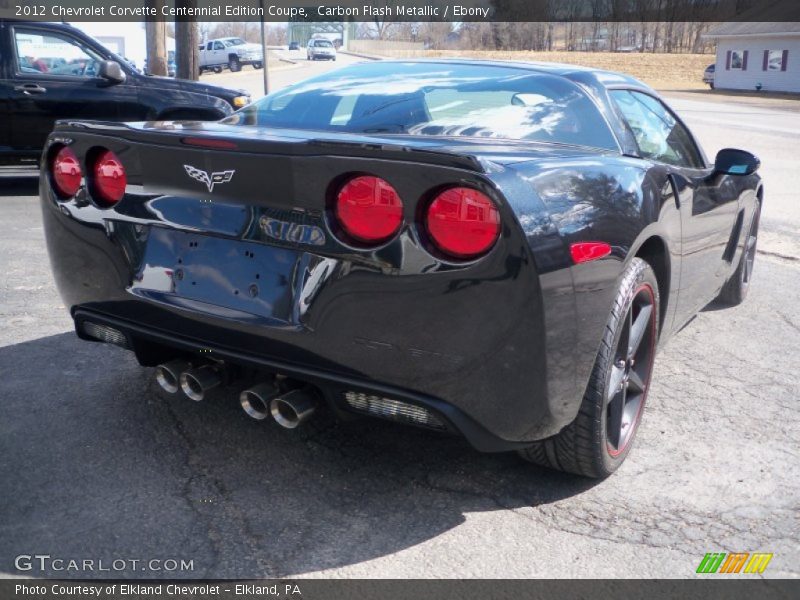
{"points": [[377, 589]]}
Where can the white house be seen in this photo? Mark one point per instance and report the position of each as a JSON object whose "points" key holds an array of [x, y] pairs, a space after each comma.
{"points": [[752, 56]]}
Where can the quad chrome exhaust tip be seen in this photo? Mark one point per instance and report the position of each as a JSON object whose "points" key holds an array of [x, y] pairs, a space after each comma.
{"points": [[256, 400], [196, 382], [293, 408], [168, 375]]}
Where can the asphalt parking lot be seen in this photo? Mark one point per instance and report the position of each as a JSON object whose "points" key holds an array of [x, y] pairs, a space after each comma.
{"points": [[97, 463]]}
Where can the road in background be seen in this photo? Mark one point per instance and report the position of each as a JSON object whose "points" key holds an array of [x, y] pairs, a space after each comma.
{"points": [[769, 129], [97, 462]]}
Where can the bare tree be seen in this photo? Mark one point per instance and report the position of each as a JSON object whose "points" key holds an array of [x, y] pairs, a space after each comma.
{"points": [[186, 54], [435, 33], [277, 35], [156, 33], [205, 28]]}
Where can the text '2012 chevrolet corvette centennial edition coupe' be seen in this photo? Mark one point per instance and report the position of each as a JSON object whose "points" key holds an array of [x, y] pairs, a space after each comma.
{"points": [[490, 249]]}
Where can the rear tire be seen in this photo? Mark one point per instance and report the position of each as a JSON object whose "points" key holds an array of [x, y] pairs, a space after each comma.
{"points": [[735, 289], [597, 442], [234, 65], [257, 65], [217, 70]]}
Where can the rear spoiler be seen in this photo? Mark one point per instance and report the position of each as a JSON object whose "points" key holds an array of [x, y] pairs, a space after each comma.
{"points": [[297, 143]]}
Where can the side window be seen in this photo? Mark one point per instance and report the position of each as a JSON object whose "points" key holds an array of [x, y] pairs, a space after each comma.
{"points": [[40, 52], [658, 134], [219, 46]]}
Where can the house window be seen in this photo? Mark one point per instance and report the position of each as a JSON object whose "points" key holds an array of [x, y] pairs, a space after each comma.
{"points": [[737, 60], [775, 60]]}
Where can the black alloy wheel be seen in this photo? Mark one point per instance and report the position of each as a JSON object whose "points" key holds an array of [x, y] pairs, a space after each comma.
{"points": [[735, 289], [600, 438], [631, 370]]}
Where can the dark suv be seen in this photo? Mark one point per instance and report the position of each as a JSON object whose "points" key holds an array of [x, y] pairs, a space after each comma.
{"points": [[51, 71]]}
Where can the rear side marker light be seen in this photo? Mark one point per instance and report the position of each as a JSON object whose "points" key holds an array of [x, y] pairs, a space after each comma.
{"points": [[369, 209], [108, 178], [587, 251], [209, 143], [393, 410], [463, 223], [67, 173], [106, 334]]}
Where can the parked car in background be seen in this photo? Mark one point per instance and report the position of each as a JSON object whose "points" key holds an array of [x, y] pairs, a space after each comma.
{"points": [[231, 53], [51, 71], [294, 45], [320, 49], [708, 75]]}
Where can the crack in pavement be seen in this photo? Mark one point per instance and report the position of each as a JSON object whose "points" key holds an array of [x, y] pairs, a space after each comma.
{"points": [[197, 484]]}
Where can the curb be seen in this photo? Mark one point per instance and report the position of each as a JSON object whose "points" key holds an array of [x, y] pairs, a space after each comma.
{"points": [[360, 55]]}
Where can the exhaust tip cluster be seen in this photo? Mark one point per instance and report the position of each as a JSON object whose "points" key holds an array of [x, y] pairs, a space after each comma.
{"points": [[288, 409]]}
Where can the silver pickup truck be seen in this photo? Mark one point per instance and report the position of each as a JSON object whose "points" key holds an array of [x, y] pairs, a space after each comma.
{"points": [[230, 52]]}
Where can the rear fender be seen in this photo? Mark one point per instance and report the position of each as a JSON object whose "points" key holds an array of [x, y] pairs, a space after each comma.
{"points": [[614, 200]]}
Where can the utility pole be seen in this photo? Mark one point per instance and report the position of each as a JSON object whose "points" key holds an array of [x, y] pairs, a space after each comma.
{"points": [[265, 66], [156, 33], [186, 55]]}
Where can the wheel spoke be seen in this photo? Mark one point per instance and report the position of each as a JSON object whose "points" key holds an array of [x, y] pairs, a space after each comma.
{"points": [[639, 328], [615, 379], [616, 410], [637, 385], [630, 412], [748, 269]]}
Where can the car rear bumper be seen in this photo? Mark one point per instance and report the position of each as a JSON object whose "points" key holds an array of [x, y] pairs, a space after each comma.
{"points": [[331, 384]]}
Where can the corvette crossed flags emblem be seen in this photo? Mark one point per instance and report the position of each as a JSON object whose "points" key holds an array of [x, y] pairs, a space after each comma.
{"points": [[210, 179]]}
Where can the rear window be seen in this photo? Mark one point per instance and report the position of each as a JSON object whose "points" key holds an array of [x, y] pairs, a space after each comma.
{"points": [[435, 99], [323, 44]]}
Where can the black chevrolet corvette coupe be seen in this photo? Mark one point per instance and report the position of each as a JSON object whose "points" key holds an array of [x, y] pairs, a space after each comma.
{"points": [[485, 248]]}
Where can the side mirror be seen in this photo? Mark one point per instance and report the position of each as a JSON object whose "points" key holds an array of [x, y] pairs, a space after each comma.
{"points": [[736, 162], [111, 71]]}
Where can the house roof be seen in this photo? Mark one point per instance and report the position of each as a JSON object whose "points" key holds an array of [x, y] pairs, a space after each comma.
{"points": [[762, 28]]}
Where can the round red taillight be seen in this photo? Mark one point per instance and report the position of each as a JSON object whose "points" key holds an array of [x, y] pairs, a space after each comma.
{"points": [[108, 178], [369, 209], [463, 223], [67, 173]]}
